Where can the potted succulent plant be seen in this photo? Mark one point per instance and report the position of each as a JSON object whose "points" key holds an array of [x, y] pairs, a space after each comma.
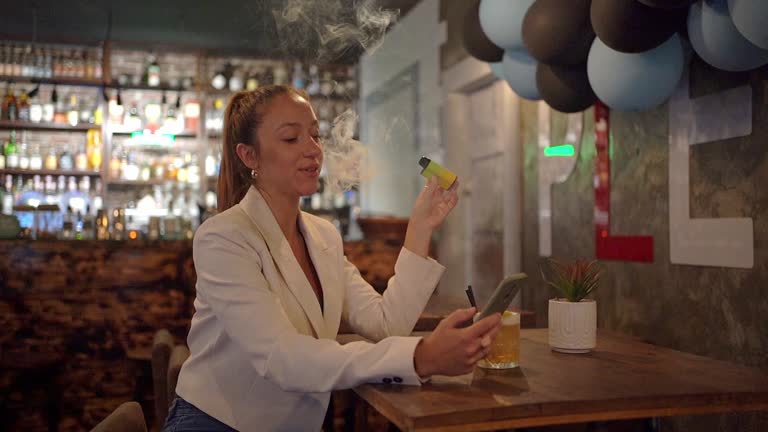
{"points": [[572, 317]]}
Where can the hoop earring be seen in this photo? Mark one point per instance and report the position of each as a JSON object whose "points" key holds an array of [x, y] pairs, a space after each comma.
{"points": [[254, 174]]}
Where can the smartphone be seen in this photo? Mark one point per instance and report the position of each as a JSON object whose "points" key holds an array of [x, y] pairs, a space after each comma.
{"points": [[503, 295]]}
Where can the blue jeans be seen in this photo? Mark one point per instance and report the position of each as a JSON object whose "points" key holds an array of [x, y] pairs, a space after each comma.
{"points": [[185, 417]]}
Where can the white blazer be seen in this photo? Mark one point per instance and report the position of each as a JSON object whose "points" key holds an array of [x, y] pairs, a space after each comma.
{"points": [[263, 354]]}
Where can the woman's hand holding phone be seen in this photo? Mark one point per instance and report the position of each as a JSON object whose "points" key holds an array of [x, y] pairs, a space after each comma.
{"points": [[453, 349]]}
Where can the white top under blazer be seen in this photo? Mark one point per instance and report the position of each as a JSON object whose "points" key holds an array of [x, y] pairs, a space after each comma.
{"points": [[263, 354]]}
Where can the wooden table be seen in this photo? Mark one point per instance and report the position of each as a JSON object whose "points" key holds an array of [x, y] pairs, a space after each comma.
{"points": [[622, 379]]}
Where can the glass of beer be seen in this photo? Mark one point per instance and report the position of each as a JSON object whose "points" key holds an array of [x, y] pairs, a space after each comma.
{"points": [[505, 348]]}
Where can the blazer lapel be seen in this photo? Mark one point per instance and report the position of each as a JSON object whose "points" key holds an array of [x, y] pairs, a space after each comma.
{"points": [[264, 221], [325, 259]]}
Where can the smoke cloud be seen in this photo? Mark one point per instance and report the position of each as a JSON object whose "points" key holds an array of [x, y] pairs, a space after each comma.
{"points": [[332, 29]]}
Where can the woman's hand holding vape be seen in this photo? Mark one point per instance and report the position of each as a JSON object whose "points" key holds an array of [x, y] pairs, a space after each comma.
{"points": [[452, 349], [431, 208]]}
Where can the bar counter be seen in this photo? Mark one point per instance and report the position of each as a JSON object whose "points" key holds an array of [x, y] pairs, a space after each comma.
{"points": [[82, 314]]}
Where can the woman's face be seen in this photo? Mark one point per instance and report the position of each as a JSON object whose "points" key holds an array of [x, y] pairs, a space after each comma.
{"points": [[290, 152]]}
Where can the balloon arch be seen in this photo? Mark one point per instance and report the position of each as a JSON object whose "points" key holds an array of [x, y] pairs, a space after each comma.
{"points": [[628, 54]]}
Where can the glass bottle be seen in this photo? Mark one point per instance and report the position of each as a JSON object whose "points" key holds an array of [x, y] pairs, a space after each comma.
{"points": [[10, 108], [236, 81], [23, 153], [51, 160], [11, 151], [153, 71], [297, 79], [279, 74], [59, 110], [35, 110], [35, 159], [73, 113], [81, 159], [66, 161], [23, 107], [314, 80], [115, 170], [253, 80], [49, 109]]}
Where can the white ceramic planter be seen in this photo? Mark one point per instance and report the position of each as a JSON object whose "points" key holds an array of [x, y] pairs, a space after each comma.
{"points": [[572, 326]]}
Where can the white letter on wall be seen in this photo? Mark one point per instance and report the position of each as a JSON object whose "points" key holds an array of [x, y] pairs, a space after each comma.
{"points": [[725, 242], [554, 169]]}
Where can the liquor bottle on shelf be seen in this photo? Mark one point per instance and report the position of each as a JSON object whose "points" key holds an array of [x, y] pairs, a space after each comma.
{"points": [[23, 151], [66, 161], [87, 65], [67, 228], [152, 71], [3, 59], [35, 110], [132, 120], [73, 113], [8, 194], [81, 159], [51, 159], [10, 108], [93, 149], [115, 165], [23, 107], [47, 64], [219, 80], [236, 82], [78, 65], [96, 195], [35, 159], [17, 61], [313, 88], [327, 84], [11, 151], [191, 115], [39, 63], [49, 108], [297, 79], [279, 74], [59, 110], [253, 80], [87, 228]]}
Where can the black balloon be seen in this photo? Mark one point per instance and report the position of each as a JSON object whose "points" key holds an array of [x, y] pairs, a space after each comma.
{"points": [[558, 31], [667, 4], [565, 88], [630, 26], [476, 42]]}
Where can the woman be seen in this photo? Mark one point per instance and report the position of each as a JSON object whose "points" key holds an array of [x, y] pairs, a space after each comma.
{"points": [[273, 285]]}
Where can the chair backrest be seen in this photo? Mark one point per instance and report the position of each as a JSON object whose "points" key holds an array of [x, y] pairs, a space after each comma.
{"points": [[178, 357], [128, 417], [161, 354]]}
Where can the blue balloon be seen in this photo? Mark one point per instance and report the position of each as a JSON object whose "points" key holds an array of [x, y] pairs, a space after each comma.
{"points": [[502, 21], [520, 73], [498, 69], [750, 18], [716, 40], [635, 82]]}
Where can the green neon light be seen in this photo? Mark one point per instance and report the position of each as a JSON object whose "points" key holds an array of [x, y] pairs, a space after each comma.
{"points": [[149, 139], [561, 150]]}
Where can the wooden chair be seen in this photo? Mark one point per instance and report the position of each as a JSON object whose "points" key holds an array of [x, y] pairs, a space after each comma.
{"points": [[161, 354], [128, 417], [178, 357]]}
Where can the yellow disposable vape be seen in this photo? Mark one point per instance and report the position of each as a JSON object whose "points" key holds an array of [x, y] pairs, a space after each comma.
{"points": [[445, 178]]}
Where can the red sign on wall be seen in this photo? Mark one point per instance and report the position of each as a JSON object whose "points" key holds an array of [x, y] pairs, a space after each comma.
{"points": [[608, 247]]}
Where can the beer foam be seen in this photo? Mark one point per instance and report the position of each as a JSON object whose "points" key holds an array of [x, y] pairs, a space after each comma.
{"points": [[510, 318]]}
